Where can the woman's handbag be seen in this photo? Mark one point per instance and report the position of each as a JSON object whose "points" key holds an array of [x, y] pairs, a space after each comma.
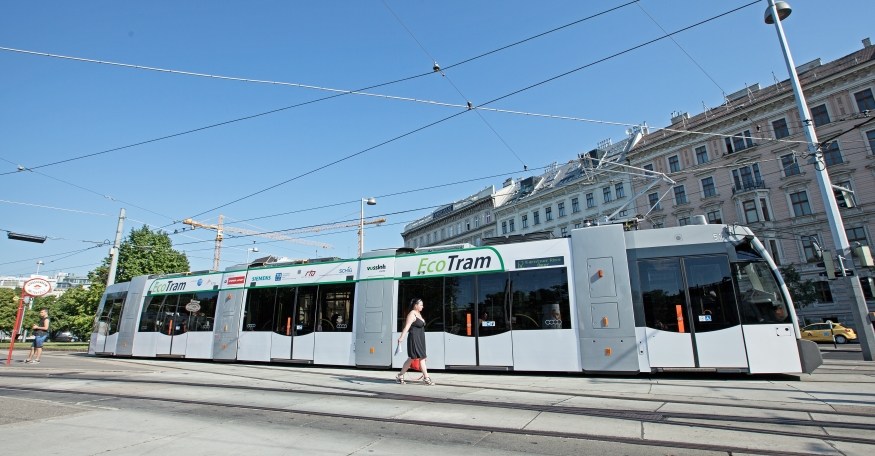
{"points": [[415, 364]]}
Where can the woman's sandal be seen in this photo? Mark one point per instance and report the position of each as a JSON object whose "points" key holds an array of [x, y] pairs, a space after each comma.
{"points": [[400, 378], [428, 381]]}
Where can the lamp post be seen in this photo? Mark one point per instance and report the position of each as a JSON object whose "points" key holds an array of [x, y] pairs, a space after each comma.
{"points": [[254, 249], [781, 10], [371, 202], [38, 264]]}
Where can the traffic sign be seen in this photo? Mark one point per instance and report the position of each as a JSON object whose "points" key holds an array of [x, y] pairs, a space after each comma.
{"points": [[37, 287]]}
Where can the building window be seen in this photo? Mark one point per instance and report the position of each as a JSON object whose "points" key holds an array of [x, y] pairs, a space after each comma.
{"points": [[674, 164], [856, 235], [648, 167], [503, 227], [420, 241], [488, 217], [808, 248], [865, 101], [773, 249], [800, 203], [657, 225], [451, 230], [620, 191], [866, 283], [683, 221], [788, 163], [467, 225], [459, 228], [708, 188], [823, 291], [701, 155], [832, 155], [443, 233], [477, 222], [525, 220], [780, 128], [561, 207], [575, 205], [577, 225], [714, 217], [739, 142], [548, 213], [653, 199], [510, 224], [623, 213], [590, 201], [606, 192], [680, 195], [747, 178], [844, 199], [750, 211], [428, 238], [537, 217], [765, 208], [563, 231], [819, 115]]}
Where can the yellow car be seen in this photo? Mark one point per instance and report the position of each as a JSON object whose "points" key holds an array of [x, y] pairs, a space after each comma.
{"points": [[820, 332]]}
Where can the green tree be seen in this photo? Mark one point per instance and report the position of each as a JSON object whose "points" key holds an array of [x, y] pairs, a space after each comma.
{"points": [[143, 252], [802, 291]]}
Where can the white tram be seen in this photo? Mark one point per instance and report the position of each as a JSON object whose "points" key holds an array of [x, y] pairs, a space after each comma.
{"points": [[700, 297]]}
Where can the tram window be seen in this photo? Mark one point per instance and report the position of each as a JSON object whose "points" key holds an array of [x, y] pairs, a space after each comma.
{"points": [[176, 318], [459, 304], [662, 293], [305, 310], [539, 299], [284, 311], [431, 291], [202, 319], [493, 304], [712, 294], [335, 307], [258, 315], [760, 296], [115, 312], [149, 319]]}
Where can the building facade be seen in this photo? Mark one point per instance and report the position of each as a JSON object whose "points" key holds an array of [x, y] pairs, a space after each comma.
{"points": [[468, 220], [60, 283], [568, 196], [747, 163]]}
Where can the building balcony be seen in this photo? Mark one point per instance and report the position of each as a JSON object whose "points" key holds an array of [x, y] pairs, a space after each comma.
{"points": [[748, 186]]}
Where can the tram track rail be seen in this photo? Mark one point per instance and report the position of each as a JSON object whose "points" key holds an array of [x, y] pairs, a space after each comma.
{"points": [[457, 426], [715, 421]]}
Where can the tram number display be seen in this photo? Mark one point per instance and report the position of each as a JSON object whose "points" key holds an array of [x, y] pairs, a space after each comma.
{"points": [[704, 318], [539, 262], [193, 306]]}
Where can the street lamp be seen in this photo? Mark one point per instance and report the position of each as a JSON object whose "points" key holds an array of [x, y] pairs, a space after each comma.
{"points": [[38, 264], [371, 202], [782, 10], [254, 249]]}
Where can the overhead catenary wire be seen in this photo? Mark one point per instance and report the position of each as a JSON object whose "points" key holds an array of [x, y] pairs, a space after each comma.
{"points": [[529, 87], [340, 92]]}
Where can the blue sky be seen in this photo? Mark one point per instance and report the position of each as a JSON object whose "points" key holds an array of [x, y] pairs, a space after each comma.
{"points": [[53, 109]]}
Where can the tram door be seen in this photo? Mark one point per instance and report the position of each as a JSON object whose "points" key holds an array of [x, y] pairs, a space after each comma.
{"points": [[293, 326], [691, 313], [107, 323], [478, 323], [173, 325]]}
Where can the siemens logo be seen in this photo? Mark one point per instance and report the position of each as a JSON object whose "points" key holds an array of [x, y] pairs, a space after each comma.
{"points": [[260, 278], [379, 267]]}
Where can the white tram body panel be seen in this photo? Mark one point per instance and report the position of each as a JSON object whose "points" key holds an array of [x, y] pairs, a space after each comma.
{"points": [[701, 297]]}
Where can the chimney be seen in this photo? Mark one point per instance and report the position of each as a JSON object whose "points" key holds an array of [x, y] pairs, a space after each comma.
{"points": [[866, 42]]}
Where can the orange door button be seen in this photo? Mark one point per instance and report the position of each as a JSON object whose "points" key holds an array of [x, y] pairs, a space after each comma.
{"points": [[607, 352], [680, 312], [372, 350], [601, 273], [605, 321]]}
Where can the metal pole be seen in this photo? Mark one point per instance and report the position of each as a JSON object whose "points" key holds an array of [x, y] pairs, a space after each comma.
{"points": [[113, 252], [858, 306], [218, 252], [362, 229], [19, 320]]}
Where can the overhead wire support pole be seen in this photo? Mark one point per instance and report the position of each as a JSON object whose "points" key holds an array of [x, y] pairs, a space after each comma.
{"points": [[113, 252], [859, 307]]}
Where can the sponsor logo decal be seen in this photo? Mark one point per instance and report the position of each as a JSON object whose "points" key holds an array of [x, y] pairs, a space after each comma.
{"points": [[260, 278], [379, 267], [166, 287], [346, 270], [238, 280], [200, 282], [455, 263], [310, 273], [278, 276]]}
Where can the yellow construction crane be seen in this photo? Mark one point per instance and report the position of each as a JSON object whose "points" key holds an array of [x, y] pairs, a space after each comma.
{"points": [[280, 236]]}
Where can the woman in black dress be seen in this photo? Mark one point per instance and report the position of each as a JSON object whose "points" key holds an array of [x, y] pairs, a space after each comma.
{"points": [[416, 342]]}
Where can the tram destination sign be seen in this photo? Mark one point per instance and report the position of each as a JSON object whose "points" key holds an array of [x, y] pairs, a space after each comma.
{"points": [[539, 262]]}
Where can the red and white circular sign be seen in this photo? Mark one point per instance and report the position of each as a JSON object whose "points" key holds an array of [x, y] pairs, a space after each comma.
{"points": [[37, 287]]}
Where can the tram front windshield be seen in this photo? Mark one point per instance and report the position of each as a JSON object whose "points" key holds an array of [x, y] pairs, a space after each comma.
{"points": [[761, 298]]}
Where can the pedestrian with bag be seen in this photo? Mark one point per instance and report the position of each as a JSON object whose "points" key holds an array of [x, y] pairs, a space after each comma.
{"points": [[40, 333], [415, 324]]}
